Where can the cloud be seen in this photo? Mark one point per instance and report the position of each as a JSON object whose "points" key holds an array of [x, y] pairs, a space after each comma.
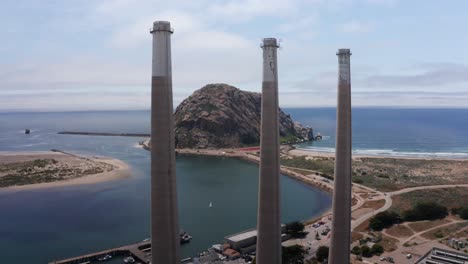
{"points": [[431, 75], [244, 10], [382, 2], [356, 27]]}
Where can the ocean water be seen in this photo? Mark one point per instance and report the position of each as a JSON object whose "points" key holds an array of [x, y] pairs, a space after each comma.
{"points": [[38, 226], [402, 132]]}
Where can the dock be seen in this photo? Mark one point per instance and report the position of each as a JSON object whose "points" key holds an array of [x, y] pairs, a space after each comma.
{"points": [[80, 133], [139, 251]]}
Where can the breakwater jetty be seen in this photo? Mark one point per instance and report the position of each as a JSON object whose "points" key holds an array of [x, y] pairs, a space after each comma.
{"points": [[139, 251], [103, 134]]}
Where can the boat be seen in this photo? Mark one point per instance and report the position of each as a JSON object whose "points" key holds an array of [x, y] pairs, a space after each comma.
{"points": [[129, 259], [27, 131], [210, 205], [106, 257], [184, 237]]}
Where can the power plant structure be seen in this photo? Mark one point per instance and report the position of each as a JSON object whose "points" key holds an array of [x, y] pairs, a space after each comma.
{"points": [[165, 240], [341, 223], [269, 215]]}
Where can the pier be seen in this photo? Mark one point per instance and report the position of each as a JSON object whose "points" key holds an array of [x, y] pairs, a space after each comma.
{"points": [[139, 251]]}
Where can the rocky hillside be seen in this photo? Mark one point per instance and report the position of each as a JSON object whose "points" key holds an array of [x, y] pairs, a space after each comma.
{"points": [[223, 116]]}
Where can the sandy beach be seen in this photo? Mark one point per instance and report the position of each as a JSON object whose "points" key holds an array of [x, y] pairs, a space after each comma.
{"points": [[57, 170], [301, 152]]}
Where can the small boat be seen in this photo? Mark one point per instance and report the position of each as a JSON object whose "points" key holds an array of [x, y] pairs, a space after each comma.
{"points": [[129, 259], [184, 237], [210, 205], [27, 131], [106, 257]]}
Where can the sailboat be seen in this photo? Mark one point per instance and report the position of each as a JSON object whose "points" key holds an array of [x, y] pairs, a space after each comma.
{"points": [[210, 205]]}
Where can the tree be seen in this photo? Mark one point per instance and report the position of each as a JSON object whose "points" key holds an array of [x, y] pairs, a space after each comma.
{"points": [[426, 211], [384, 220], [322, 253], [356, 250], [366, 252], [293, 254], [295, 229], [376, 224], [464, 213], [376, 249]]}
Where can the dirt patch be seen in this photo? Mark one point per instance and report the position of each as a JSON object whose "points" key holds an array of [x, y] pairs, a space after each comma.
{"points": [[389, 243], [363, 227], [424, 225], [399, 231], [355, 236], [374, 204]]}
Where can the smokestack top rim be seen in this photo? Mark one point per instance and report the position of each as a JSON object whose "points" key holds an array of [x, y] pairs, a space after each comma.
{"points": [[161, 26], [270, 42], [344, 52]]}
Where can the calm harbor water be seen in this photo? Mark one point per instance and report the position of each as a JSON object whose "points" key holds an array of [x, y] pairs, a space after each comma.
{"points": [[37, 226]]}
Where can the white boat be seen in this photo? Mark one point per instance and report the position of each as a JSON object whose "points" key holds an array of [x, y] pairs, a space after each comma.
{"points": [[210, 205]]}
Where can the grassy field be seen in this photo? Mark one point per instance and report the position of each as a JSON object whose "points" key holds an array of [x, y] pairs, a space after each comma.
{"points": [[449, 197], [389, 174], [423, 225], [444, 231]]}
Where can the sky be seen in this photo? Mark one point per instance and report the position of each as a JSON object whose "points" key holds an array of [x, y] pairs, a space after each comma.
{"points": [[96, 54]]}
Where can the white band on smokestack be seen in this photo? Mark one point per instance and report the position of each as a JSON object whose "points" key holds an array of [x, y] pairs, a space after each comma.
{"points": [[161, 32], [270, 46], [344, 64]]}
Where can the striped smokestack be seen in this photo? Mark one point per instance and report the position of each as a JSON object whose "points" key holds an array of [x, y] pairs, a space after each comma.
{"points": [[269, 222], [341, 223], [165, 240]]}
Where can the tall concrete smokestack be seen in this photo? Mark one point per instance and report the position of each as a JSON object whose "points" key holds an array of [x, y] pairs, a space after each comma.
{"points": [[269, 222], [341, 226], [165, 240]]}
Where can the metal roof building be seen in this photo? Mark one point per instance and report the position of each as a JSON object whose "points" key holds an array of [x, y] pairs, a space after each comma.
{"points": [[443, 256]]}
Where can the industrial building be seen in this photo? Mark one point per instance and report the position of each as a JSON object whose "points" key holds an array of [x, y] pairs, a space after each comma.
{"points": [[443, 256]]}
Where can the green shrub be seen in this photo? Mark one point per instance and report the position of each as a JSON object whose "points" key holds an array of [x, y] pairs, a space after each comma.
{"points": [[293, 254], [358, 181], [425, 211], [366, 252], [295, 229], [377, 249], [356, 250], [384, 220], [322, 253]]}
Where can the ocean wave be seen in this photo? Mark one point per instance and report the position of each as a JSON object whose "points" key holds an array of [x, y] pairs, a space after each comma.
{"points": [[390, 152]]}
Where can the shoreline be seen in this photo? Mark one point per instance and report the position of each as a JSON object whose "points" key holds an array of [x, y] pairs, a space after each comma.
{"points": [[303, 152], [119, 170]]}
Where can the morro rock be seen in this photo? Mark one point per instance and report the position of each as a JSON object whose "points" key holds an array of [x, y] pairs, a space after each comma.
{"points": [[223, 116]]}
